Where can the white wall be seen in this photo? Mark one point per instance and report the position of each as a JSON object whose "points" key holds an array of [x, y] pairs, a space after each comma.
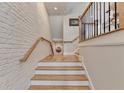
{"points": [[43, 21], [71, 32], [79, 8], [20, 25], [103, 58], [71, 47], [56, 24]]}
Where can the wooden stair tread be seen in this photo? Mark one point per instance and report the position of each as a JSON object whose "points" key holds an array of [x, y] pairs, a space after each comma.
{"points": [[59, 68], [38, 87], [60, 77], [65, 58], [59, 61]]}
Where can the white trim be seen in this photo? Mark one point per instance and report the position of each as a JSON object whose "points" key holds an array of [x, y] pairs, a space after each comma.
{"points": [[59, 83], [102, 45], [59, 64], [60, 72], [68, 53], [56, 39], [87, 74]]}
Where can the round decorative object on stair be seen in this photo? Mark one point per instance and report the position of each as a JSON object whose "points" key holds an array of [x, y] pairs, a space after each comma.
{"points": [[58, 49]]}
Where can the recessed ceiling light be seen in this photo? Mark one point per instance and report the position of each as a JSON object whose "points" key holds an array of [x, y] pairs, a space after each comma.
{"points": [[55, 8]]}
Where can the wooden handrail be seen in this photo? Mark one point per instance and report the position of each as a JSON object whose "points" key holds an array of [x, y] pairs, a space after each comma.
{"points": [[29, 52], [113, 31], [86, 9], [49, 43]]}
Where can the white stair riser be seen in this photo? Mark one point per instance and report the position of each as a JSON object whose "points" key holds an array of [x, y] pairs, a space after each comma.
{"points": [[60, 72], [66, 83], [59, 64]]}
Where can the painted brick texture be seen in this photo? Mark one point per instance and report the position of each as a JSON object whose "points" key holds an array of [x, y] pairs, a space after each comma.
{"points": [[20, 26]]}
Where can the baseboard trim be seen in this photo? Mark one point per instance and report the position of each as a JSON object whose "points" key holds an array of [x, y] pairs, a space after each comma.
{"points": [[68, 53], [88, 76]]}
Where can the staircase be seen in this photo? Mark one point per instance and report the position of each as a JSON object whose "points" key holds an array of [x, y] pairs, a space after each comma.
{"points": [[59, 73]]}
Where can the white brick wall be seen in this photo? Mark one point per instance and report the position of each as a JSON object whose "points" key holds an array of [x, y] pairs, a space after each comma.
{"points": [[20, 25]]}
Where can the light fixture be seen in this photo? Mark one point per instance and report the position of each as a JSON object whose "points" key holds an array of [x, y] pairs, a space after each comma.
{"points": [[55, 8]]}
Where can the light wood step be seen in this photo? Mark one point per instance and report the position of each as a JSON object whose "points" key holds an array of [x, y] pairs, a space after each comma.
{"points": [[38, 87], [63, 58], [59, 68], [60, 61], [61, 77]]}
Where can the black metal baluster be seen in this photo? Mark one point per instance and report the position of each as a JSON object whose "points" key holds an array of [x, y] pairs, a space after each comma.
{"points": [[94, 20], [83, 27], [84, 32], [97, 17], [84, 20], [90, 21], [88, 24], [115, 15], [100, 16], [104, 16], [109, 17]]}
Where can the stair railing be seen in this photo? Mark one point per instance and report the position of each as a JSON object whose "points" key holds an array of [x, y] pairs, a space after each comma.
{"points": [[101, 18], [29, 52]]}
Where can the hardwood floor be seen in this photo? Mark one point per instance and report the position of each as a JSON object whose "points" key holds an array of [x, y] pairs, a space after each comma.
{"points": [[60, 77], [59, 68], [62, 58], [59, 87]]}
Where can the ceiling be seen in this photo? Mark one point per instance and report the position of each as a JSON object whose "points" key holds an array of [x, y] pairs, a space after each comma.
{"points": [[62, 7]]}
